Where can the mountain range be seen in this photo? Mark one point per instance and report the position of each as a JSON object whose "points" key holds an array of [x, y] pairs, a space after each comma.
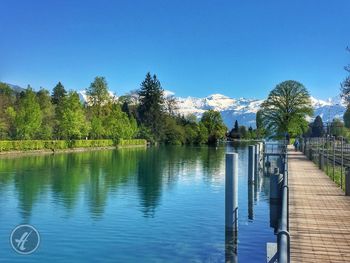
{"points": [[244, 110]]}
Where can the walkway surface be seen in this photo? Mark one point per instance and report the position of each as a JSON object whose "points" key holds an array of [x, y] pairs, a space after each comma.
{"points": [[319, 214]]}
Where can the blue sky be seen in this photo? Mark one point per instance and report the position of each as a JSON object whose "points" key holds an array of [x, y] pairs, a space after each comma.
{"points": [[240, 48]]}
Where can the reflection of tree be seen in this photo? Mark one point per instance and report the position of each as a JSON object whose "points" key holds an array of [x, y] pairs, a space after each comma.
{"points": [[30, 179], [95, 175], [106, 171], [149, 180], [67, 174]]}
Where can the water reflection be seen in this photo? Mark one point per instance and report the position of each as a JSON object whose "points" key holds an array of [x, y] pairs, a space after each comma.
{"points": [[93, 175]]}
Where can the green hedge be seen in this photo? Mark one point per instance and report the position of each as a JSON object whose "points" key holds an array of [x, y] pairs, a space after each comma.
{"points": [[123, 142], [91, 143], [27, 145]]}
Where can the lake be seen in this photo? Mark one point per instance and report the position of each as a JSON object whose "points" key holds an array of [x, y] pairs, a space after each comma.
{"points": [[160, 204]]}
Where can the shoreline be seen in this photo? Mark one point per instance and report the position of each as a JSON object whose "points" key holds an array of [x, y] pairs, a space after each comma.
{"points": [[22, 153]]}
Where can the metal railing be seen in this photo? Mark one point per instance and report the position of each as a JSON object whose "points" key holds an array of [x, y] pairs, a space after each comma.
{"points": [[331, 154], [278, 151], [283, 237]]}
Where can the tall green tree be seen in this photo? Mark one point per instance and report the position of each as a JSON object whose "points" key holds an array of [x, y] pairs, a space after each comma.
{"points": [[317, 128], [214, 124], [337, 128], [27, 116], [99, 107], [260, 130], [151, 105], [118, 125], [72, 122], [346, 117], [286, 108], [48, 114], [345, 85], [58, 93], [6, 100], [98, 93]]}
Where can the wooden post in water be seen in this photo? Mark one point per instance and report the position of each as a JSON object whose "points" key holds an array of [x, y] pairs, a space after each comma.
{"points": [[256, 163], [251, 164], [231, 192]]}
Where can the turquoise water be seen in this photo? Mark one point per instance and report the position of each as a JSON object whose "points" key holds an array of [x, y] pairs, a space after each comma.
{"points": [[161, 204]]}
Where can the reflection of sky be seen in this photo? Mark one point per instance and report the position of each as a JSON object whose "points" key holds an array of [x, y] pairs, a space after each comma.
{"points": [[176, 216]]}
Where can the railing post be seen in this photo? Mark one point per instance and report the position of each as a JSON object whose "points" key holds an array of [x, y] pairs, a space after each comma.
{"points": [[320, 161], [347, 182], [231, 192], [342, 162], [251, 165], [333, 158]]}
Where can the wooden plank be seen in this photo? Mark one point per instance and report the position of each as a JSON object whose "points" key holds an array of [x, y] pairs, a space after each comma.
{"points": [[319, 214]]}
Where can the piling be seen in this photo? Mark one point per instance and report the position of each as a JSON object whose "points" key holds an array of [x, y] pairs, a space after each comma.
{"points": [[231, 192], [251, 164], [275, 184], [256, 163]]}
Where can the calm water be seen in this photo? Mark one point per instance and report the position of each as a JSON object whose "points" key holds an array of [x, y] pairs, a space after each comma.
{"points": [[150, 205]]}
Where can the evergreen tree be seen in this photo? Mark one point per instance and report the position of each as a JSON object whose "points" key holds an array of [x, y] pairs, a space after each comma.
{"points": [[236, 127], [58, 93], [317, 129], [151, 112]]}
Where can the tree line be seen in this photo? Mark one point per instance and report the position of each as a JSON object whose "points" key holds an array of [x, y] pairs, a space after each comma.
{"points": [[28, 115]]}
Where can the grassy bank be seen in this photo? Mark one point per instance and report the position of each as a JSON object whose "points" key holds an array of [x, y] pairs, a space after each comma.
{"points": [[33, 145]]}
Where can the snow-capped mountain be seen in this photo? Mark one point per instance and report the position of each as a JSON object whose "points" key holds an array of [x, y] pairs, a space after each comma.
{"points": [[244, 110]]}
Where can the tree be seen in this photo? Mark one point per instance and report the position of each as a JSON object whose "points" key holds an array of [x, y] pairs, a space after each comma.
{"points": [[243, 132], [48, 114], [118, 125], [260, 130], [345, 86], [286, 108], [151, 111], [58, 93], [346, 117], [317, 129], [337, 128], [234, 133], [236, 127], [214, 124], [72, 123], [98, 94], [173, 132], [27, 116], [6, 100]]}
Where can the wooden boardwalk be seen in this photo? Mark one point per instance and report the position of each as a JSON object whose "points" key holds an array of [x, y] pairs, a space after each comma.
{"points": [[319, 214]]}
